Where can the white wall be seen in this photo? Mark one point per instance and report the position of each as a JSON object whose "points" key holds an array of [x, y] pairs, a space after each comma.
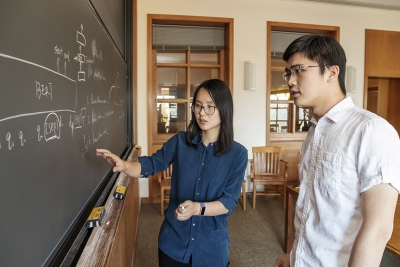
{"points": [[250, 19]]}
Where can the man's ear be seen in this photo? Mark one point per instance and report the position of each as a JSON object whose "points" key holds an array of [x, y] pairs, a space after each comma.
{"points": [[333, 72]]}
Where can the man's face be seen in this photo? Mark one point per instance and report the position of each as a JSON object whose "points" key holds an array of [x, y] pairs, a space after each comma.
{"points": [[306, 84]]}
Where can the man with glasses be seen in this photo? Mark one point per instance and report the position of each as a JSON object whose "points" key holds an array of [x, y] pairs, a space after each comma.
{"points": [[349, 178]]}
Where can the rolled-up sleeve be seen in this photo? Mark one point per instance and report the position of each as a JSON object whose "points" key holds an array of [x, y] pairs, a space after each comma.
{"points": [[379, 155], [147, 165]]}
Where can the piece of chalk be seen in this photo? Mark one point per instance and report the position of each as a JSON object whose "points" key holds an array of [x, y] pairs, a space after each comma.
{"points": [[182, 207], [108, 223]]}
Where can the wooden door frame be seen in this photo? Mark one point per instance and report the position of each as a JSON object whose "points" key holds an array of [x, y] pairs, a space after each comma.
{"points": [[290, 142], [227, 23]]}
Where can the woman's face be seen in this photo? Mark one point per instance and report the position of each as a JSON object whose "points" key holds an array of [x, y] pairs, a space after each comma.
{"points": [[204, 106]]}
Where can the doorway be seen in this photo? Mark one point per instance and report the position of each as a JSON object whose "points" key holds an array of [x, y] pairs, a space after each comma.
{"points": [[382, 100]]}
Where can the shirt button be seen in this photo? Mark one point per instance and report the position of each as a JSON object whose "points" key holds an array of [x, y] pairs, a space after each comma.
{"points": [[192, 238], [194, 224], [197, 193], [202, 163], [199, 178]]}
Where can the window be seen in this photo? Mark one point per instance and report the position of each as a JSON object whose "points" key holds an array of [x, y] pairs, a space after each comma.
{"points": [[286, 121], [178, 74], [183, 52]]}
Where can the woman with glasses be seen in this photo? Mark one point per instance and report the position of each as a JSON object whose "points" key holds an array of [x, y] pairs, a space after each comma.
{"points": [[209, 167]]}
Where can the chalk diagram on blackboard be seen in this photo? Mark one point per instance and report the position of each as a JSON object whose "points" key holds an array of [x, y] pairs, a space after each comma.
{"points": [[56, 98]]}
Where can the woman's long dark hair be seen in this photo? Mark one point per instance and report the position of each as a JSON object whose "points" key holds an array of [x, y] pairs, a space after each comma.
{"points": [[222, 97]]}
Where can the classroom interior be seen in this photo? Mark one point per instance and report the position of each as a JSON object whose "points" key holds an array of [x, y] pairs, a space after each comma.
{"points": [[171, 46], [256, 33]]}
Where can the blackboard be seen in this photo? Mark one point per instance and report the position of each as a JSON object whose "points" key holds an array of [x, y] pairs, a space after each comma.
{"points": [[63, 93], [110, 13]]}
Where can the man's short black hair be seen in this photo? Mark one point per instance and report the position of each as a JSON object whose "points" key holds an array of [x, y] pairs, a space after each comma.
{"points": [[323, 49]]}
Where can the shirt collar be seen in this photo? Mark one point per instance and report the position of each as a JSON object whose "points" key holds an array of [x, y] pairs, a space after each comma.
{"points": [[337, 112], [197, 140]]}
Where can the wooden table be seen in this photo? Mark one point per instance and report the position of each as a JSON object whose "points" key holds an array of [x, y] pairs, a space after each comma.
{"points": [[292, 192], [291, 195], [393, 245]]}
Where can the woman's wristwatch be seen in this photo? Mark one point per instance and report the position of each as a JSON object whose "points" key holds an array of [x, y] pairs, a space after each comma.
{"points": [[203, 208]]}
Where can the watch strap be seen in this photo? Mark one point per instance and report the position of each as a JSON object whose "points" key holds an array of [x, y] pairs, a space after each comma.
{"points": [[203, 208]]}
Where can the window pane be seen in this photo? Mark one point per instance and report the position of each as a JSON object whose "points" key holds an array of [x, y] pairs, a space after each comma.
{"points": [[279, 117], [283, 114], [281, 40], [283, 126], [278, 85], [285, 106], [272, 115], [171, 83], [169, 57], [210, 58], [171, 117], [176, 37], [303, 119], [199, 75]]}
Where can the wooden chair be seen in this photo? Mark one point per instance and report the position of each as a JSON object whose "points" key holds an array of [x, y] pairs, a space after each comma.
{"points": [[164, 180], [265, 170]]}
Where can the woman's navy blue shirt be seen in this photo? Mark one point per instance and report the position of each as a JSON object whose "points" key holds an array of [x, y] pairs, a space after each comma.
{"points": [[198, 176]]}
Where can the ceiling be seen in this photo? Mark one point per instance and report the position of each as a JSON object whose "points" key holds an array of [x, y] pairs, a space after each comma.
{"points": [[382, 4]]}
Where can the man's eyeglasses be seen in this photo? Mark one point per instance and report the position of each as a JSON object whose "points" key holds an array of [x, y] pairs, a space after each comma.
{"points": [[296, 69], [208, 109]]}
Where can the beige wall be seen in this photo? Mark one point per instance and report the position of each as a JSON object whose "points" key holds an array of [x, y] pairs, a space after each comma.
{"points": [[250, 18]]}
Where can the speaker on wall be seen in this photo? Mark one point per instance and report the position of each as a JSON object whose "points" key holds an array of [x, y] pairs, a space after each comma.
{"points": [[250, 75], [351, 78]]}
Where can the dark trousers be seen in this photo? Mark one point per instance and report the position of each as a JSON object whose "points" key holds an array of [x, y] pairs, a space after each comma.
{"points": [[165, 261]]}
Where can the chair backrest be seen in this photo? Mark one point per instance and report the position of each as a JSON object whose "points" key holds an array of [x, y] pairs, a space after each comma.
{"points": [[166, 174], [266, 160]]}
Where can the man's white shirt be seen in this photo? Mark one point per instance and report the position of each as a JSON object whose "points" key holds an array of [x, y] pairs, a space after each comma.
{"points": [[346, 152]]}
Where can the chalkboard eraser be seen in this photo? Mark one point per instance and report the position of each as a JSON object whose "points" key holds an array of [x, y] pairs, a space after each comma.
{"points": [[95, 217], [119, 192]]}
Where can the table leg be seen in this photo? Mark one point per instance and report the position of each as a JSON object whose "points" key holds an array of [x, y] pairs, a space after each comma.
{"points": [[289, 222]]}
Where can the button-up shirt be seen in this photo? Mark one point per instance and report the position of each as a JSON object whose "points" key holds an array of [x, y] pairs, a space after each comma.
{"points": [[198, 176], [346, 152]]}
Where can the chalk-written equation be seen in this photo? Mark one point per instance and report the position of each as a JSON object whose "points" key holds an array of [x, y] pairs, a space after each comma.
{"points": [[60, 105]]}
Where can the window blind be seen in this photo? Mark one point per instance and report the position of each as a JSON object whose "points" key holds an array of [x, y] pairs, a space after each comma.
{"points": [[176, 37]]}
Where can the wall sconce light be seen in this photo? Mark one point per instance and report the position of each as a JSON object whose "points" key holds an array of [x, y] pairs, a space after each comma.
{"points": [[351, 78], [250, 75]]}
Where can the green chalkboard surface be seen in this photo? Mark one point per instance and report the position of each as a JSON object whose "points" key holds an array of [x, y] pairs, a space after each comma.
{"points": [[63, 93]]}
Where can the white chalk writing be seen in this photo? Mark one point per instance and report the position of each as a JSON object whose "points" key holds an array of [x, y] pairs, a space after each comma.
{"points": [[44, 90]]}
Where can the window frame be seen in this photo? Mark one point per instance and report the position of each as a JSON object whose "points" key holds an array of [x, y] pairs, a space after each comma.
{"points": [[291, 135], [188, 99], [155, 142]]}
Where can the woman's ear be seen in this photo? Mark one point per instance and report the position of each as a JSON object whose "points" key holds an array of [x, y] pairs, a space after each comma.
{"points": [[333, 72]]}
